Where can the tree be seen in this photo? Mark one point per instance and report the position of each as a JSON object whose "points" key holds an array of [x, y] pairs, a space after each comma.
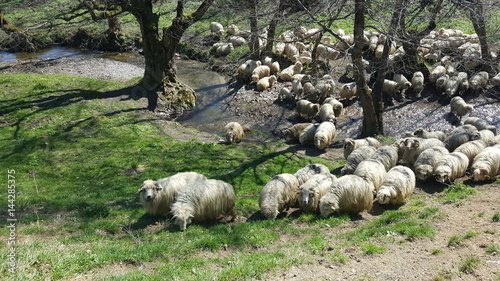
{"points": [[163, 91]]}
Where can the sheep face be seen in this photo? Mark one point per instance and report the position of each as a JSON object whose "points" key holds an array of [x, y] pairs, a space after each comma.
{"points": [[384, 195], [418, 132], [423, 172], [149, 190], [328, 209], [306, 196], [183, 217], [442, 174], [480, 174], [270, 213], [348, 144]]}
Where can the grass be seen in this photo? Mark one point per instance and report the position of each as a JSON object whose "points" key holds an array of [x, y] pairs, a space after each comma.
{"points": [[469, 264], [493, 249], [458, 239], [454, 193]]}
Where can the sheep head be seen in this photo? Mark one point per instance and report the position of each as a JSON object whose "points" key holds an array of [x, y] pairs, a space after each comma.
{"points": [[348, 143], [384, 195], [419, 132], [149, 189], [183, 216], [442, 174], [423, 172], [480, 174], [328, 209], [305, 196]]}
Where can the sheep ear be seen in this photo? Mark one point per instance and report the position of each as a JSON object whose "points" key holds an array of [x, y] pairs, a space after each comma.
{"points": [[141, 188], [157, 187]]}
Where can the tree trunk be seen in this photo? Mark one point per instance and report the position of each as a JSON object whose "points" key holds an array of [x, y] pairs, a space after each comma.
{"points": [[254, 31], [477, 17]]}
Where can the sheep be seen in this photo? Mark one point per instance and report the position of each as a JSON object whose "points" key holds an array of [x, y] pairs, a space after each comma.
{"points": [[417, 82], [466, 128], [486, 165], [350, 194], [485, 135], [234, 132], [450, 167], [291, 52], [348, 90], [203, 201], [305, 173], [494, 141], [351, 144], [495, 80], [157, 196], [403, 83], [307, 109], [237, 41], [233, 30], [451, 87], [297, 87], [324, 135], [424, 134], [459, 107], [415, 146], [463, 80], [479, 80], [286, 95], [480, 124], [427, 160], [265, 82], [216, 29], [222, 49], [359, 154], [279, 194], [310, 92], [326, 113], [273, 66], [312, 190], [441, 81], [398, 184], [307, 136], [372, 171], [325, 86], [260, 72], [387, 155], [336, 105], [471, 148], [245, 69], [292, 133], [287, 73], [436, 73], [390, 87], [455, 140]]}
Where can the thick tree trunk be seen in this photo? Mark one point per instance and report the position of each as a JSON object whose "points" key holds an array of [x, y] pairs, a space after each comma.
{"points": [[477, 17], [254, 31]]}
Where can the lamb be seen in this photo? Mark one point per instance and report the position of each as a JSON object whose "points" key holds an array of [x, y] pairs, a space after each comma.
{"points": [[459, 107], [288, 73], [417, 82], [387, 155], [480, 124], [415, 146], [351, 144], [455, 140], [234, 132], [424, 134], [279, 194], [312, 190], [427, 160], [157, 196], [372, 171], [348, 90], [326, 113], [479, 80], [337, 105], [353, 159], [260, 72], [307, 109], [203, 201], [265, 82], [216, 29], [350, 194], [486, 165], [398, 184], [495, 80], [485, 135], [436, 73], [450, 167], [307, 136], [471, 148], [304, 174], [292, 134], [324, 135]]}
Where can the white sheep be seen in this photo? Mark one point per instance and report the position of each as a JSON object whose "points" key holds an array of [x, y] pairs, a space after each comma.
{"points": [[451, 87], [279, 194], [387, 155], [265, 82], [424, 134], [203, 201], [350, 194], [486, 165], [325, 87], [306, 138], [260, 72], [312, 190], [234, 132], [480, 124], [237, 41], [291, 52], [494, 141], [336, 105], [245, 69], [273, 66], [436, 73], [455, 140], [479, 80], [427, 160], [466, 128], [441, 82], [157, 196], [459, 107], [324, 135], [485, 135], [286, 95], [292, 133], [326, 113], [351, 144], [403, 83], [450, 167], [348, 91], [222, 49], [353, 159], [307, 109], [390, 87], [415, 146], [288, 73], [398, 184], [310, 92], [417, 82], [216, 29], [305, 173], [233, 30], [372, 171], [297, 87], [472, 148]]}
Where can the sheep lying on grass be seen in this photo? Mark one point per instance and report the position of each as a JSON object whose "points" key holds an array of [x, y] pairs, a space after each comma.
{"points": [[358, 155], [350, 194], [234, 132], [450, 167], [312, 190], [427, 160], [157, 196], [398, 184], [279, 194], [303, 174], [204, 201], [486, 165]]}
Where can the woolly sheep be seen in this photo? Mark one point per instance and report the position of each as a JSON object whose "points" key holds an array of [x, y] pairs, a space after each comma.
{"points": [[273, 66], [291, 52], [324, 135], [479, 80], [305, 173], [466, 128], [233, 30], [306, 138], [480, 124], [336, 105], [297, 87], [217, 29], [287, 73], [260, 72], [450, 167], [398, 184], [307, 109], [436, 73], [494, 141], [417, 82], [387, 155], [237, 41], [245, 70], [415, 146], [310, 92], [312, 190], [372, 171], [286, 95], [292, 133], [424, 134], [325, 87], [157, 196], [222, 49], [451, 86], [441, 81], [353, 159], [459, 107], [279, 194], [350, 194], [485, 135], [265, 82], [427, 160], [455, 140], [402, 82], [203, 201], [348, 90], [326, 113], [351, 144], [471, 148], [486, 165], [234, 132]]}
